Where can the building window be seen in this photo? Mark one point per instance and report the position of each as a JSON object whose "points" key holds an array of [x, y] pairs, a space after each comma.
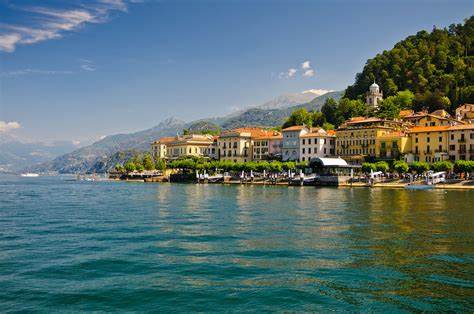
{"points": [[309, 150]]}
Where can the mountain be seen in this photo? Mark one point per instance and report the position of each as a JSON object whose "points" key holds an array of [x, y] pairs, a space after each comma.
{"points": [[91, 158], [104, 154], [275, 117], [16, 154], [292, 99], [437, 66]]}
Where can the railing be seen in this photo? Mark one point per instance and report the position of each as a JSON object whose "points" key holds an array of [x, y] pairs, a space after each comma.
{"points": [[462, 140]]}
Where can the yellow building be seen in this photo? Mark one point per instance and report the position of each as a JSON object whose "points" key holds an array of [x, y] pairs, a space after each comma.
{"points": [[181, 146], [428, 143], [356, 139], [237, 145], [393, 145], [423, 118], [158, 148], [435, 143], [465, 113], [461, 142]]}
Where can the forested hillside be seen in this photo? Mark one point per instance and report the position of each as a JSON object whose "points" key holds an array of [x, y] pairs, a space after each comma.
{"points": [[436, 66]]}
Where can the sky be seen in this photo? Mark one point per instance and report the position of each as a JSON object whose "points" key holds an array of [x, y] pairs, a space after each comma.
{"points": [[80, 70]]}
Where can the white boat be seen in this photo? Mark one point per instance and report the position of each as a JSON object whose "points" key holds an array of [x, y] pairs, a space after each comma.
{"points": [[30, 175], [419, 187]]}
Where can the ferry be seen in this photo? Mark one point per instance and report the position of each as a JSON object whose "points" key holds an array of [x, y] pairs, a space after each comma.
{"points": [[30, 175]]}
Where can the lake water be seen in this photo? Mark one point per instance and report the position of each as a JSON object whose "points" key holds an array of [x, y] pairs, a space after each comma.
{"points": [[84, 246]]}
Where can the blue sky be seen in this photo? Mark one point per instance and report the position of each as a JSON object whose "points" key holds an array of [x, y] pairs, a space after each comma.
{"points": [[80, 70]]}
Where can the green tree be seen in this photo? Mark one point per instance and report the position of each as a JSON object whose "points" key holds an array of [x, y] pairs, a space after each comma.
{"points": [[329, 111], [419, 167], [130, 166], [367, 167], [382, 166], [299, 117], [140, 168], [148, 162], [391, 106], [442, 166], [433, 65], [400, 166], [118, 167], [328, 126], [160, 164], [348, 108], [317, 118]]}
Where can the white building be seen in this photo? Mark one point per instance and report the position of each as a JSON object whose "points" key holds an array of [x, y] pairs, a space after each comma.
{"points": [[291, 142], [317, 143]]}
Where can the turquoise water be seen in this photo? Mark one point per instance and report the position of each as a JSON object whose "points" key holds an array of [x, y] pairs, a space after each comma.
{"points": [[88, 246]]}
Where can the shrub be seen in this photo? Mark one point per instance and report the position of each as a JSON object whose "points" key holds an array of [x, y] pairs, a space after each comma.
{"points": [[368, 167], [442, 166], [400, 166], [382, 166], [419, 167]]}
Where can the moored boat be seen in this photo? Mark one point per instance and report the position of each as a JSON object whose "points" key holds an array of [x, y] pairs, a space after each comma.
{"points": [[29, 175]]}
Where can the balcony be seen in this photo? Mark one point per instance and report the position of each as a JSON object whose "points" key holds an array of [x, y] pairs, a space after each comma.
{"points": [[462, 140], [462, 151]]}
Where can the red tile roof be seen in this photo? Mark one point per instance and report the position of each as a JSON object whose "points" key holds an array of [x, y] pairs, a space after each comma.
{"points": [[295, 128]]}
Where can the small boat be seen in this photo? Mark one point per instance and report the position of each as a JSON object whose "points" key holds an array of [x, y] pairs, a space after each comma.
{"points": [[30, 175], [419, 187]]}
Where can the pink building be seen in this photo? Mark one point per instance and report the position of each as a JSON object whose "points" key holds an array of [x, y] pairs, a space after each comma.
{"points": [[267, 146]]}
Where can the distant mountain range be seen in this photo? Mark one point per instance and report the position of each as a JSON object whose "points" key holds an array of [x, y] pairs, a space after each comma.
{"points": [[104, 154], [17, 154]]}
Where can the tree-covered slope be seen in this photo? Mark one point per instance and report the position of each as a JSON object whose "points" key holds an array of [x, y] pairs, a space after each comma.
{"points": [[433, 65]]}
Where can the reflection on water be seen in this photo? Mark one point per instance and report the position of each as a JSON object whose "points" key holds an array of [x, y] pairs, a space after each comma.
{"points": [[109, 246]]}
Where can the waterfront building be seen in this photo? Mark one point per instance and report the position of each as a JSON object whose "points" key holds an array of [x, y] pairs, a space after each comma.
{"points": [[374, 96], [436, 143], [356, 138], [461, 142], [196, 145], [213, 151], [267, 147], [423, 118], [237, 145], [392, 146], [291, 142], [317, 143], [465, 113], [429, 143], [158, 148]]}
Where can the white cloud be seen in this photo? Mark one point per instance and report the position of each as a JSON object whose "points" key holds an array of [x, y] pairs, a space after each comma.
{"points": [[9, 41], [32, 71], [87, 65], [8, 126], [292, 72], [306, 65], [49, 23], [288, 74], [308, 73]]}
